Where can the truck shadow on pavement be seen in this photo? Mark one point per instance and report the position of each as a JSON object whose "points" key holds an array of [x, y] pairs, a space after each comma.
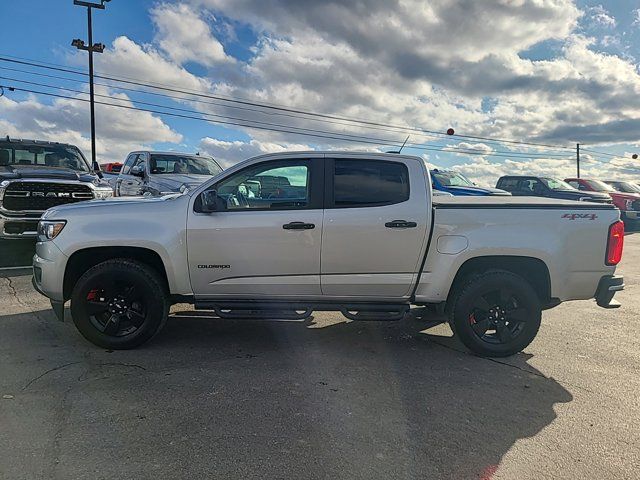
{"points": [[321, 398]]}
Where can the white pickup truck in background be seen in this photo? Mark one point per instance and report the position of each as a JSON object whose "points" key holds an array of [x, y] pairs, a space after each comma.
{"points": [[283, 235]]}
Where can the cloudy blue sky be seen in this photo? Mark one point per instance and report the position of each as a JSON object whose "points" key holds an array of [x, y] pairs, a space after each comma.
{"points": [[546, 71]]}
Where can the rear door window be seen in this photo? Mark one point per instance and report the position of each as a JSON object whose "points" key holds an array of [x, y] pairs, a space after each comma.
{"points": [[369, 183]]}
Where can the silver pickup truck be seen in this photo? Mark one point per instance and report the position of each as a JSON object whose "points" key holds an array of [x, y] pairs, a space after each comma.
{"points": [[284, 235]]}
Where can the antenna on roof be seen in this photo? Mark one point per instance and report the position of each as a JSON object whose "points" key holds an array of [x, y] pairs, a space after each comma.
{"points": [[404, 143], [402, 146]]}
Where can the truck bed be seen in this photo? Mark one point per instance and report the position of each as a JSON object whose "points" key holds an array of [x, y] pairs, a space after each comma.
{"points": [[505, 202]]}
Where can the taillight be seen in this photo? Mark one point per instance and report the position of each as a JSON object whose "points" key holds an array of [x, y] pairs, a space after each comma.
{"points": [[615, 243]]}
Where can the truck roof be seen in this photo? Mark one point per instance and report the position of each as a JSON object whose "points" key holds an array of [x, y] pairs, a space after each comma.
{"points": [[8, 139], [337, 154]]}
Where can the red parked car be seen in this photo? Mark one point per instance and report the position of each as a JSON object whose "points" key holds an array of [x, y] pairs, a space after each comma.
{"points": [[627, 203]]}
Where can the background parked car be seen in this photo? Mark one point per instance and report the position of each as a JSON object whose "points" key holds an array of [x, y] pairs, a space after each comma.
{"points": [[161, 173], [628, 203], [457, 184], [37, 175], [625, 187], [548, 187], [110, 172]]}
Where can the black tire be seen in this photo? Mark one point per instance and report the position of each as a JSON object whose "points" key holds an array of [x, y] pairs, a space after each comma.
{"points": [[119, 304], [496, 314]]}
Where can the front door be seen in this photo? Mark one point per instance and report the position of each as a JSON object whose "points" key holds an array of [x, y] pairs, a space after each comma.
{"points": [[129, 185], [266, 242], [375, 227]]}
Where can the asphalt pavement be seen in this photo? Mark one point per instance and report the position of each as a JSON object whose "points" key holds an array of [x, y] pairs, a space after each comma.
{"points": [[323, 398]]}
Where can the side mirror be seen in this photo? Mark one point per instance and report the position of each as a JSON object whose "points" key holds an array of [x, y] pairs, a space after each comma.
{"points": [[137, 171], [211, 202]]}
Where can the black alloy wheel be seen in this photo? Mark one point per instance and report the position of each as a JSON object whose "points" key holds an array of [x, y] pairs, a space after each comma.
{"points": [[119, 304], [496, 314]]}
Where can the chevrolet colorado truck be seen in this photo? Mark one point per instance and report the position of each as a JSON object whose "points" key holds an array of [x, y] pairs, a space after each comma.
{"points": [[160, 173], [35, 176], [283, 235]]}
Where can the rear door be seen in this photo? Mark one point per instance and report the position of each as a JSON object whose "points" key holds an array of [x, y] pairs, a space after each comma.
{"points": [[266, 243], [376, 220]]}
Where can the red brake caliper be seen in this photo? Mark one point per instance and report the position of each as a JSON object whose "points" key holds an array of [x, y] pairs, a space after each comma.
{"points": [[472, 319], [92, 294]]}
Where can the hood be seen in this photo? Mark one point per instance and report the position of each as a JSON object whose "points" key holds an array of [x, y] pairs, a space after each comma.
{"points": [[625, 196], [173, 181], [583, 194], [11, 172], [476, 191], [112, 205]]}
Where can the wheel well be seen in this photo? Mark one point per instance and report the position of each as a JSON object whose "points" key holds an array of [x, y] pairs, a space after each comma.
{"points": [[533, 270], [83, 260]]}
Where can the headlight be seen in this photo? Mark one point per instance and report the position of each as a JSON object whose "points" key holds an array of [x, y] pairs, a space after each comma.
{"points": [[102, 193], [3, 186], [49, 229]]}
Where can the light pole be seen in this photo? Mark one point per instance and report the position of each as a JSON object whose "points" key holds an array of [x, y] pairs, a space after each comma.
{"points": [[91, 47]]}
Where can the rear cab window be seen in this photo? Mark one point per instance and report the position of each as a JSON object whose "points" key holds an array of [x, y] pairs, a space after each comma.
{"points": [[369, 183]]}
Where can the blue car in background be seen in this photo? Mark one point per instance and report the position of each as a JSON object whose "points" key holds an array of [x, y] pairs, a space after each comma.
{"points": [[457, 184]]}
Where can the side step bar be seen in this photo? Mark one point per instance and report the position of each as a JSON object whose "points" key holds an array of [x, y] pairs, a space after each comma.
{"points": [[299, 311]]}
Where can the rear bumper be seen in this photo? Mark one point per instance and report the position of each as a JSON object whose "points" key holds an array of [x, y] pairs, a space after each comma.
{"points": [[607, 288]]}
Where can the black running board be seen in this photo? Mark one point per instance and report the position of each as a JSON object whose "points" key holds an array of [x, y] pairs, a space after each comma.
{"points": [[257, 309]]}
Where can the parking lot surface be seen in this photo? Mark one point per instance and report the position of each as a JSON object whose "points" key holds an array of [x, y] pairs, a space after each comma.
{"points": [[323, 398]]}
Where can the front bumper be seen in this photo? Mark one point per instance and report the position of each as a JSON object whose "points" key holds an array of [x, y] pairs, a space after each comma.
{"points": [[49, 265], [630, 214], [18, 227], [607, 288]]}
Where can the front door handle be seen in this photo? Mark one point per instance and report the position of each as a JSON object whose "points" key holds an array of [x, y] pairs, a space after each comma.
{"points": [[400, 224], [298, 226]]}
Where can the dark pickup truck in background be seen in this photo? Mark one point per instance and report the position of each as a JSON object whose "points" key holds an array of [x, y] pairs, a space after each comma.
{"points": [[548, 187], [154, 174], [37, 175]]}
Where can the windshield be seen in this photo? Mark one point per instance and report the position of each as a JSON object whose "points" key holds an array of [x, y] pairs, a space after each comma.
{"points": [[556, 184], [599, 186], [183, 164], [452, 179], [50, 156], [625, 187]]}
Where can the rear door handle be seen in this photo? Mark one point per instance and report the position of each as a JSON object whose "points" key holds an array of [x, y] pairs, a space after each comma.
{"points": [[400, 224], [298, 226]]}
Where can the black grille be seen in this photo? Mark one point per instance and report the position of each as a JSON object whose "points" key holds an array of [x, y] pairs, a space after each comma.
{"points": [[39, 196]]}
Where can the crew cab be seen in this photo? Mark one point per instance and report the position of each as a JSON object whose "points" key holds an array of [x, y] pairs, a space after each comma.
{"points": [[527, 186], [627, 202], [457, 184], [283, 235], [36, 175], [150, 173]]}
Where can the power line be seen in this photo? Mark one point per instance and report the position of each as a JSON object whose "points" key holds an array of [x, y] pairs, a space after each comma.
{"points": [[280, 108], [274, 127], [430, 147]]}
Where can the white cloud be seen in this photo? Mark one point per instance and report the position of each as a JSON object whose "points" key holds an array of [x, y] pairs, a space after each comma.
{"points": [[185, 36], [229, 153], [118, 130], [600, 16]]}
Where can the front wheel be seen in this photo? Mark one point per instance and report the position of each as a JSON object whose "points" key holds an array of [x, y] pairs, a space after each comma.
{"points": [[119, 304], [496, 314]]}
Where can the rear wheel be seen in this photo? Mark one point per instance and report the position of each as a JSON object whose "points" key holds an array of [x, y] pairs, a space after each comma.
{"points": [[496, 314], [119, 304]]}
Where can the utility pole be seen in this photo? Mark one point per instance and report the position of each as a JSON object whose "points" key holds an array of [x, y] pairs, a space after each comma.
{"points": [[91, 47], [578, 158]]}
